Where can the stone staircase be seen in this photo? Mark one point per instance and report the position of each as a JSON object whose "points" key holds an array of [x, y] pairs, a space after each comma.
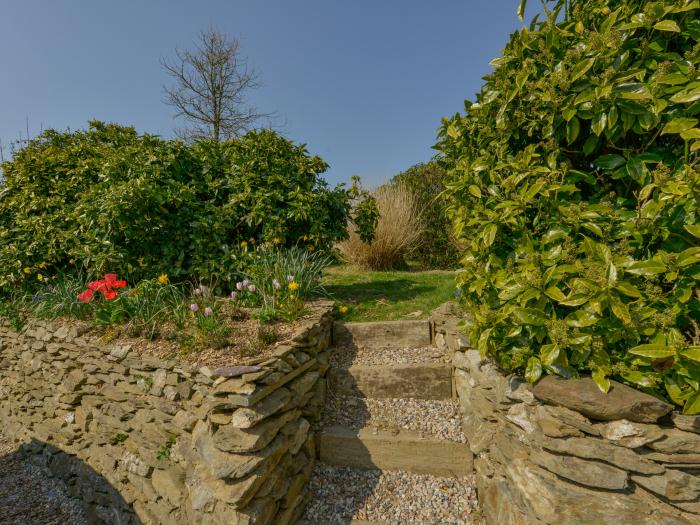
{"points": [[379, 446]]}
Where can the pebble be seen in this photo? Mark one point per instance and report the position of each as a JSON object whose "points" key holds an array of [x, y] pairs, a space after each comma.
{"points": [[344, 357], [28, 496], [339, 494], [430, 418]]}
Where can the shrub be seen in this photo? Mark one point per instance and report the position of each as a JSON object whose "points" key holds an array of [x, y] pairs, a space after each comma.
{"points": [[574, 182], [396, 235], [436, 247], [109, 199]]}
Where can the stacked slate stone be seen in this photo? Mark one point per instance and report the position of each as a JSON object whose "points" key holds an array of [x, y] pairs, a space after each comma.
{"points": [[139, 440], [565, 453]]}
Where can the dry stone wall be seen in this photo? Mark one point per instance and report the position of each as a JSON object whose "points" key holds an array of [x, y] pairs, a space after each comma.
{"points": [[144, 441], [564, 453]]}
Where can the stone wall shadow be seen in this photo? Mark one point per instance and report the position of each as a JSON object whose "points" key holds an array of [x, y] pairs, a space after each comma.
{"points": [[35, 476], [343, 496]]}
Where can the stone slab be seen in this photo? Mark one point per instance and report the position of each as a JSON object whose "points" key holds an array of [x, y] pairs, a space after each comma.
{"points": [[420, 381], [405, 450], [584, 396]]}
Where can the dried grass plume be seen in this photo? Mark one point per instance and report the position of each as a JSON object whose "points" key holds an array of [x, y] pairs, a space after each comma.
{"points": [[396, 236]]}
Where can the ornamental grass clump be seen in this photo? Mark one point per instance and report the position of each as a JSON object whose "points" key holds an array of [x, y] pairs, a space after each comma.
{"points": [[396, 235], [574, 183]]}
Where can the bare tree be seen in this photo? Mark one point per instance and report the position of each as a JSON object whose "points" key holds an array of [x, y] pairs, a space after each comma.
{"points": [[211, 84]]}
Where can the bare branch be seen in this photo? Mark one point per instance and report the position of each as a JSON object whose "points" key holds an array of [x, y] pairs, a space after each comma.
{"points": [[210, 87]]}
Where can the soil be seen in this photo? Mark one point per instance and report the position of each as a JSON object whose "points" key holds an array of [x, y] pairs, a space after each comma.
{"points": [[247, 339]]}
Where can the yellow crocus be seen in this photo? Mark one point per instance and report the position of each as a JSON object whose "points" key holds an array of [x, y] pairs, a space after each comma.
{"points": [[293, 286], [163, 278]]}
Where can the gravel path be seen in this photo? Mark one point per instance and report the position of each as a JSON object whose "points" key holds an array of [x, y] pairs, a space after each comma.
{"points": [[344, 357], [430, 418], [29, 497], [339, 494]]}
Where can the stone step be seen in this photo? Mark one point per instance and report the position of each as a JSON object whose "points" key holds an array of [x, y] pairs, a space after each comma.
{"points": [[420, 381], [389, 450], [387, 334]]}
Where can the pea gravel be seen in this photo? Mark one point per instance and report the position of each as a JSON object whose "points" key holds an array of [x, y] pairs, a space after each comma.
{"points": [[28, 496], [339, 494], [345, 356], [430, 418]]}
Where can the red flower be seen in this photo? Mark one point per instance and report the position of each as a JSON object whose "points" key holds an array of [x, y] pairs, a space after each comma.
{"points": [[118, 284], [97, 286], [85, 296], [110, 277], [110, 294]]}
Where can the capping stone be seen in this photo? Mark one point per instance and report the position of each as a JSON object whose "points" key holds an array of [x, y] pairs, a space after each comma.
{"points": [[584, 396]]}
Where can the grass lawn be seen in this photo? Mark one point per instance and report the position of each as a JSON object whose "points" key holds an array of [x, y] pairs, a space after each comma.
{"points": [[385, 296]]}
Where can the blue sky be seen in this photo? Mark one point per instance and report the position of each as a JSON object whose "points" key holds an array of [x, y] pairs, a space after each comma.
{"points": [[363, 83]]}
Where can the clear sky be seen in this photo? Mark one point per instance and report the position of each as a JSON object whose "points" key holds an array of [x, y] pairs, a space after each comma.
{"points": [[363, 83]]}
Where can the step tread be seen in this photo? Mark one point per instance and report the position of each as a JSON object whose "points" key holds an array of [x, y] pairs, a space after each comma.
{"points": [[383, 333], [402, 449], [416, 380]]}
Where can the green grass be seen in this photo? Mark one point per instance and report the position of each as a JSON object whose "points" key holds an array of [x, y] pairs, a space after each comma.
{"points": [[386, 296]]}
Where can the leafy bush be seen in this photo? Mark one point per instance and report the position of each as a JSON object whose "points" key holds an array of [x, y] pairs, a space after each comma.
{"points": [[396, 234], [437, 247], [108, 199], [574, 182]]}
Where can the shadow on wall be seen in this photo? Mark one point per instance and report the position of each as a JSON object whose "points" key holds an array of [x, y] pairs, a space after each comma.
{"points": [[42, 485]]}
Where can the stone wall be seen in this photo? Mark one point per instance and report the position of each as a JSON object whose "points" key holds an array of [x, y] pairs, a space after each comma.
{"points": [[144, 441], [564, 453]]}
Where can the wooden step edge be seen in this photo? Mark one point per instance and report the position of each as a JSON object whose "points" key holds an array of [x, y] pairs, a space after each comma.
{"points": [[370, 448]]}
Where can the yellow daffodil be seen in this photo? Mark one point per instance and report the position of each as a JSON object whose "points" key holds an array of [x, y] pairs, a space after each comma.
{"points": [[163, 278], [27, 270], [244, 244], [293, 286], [40, 277], [343, 309]]}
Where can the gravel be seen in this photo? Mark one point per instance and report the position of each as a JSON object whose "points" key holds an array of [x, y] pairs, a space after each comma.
{"points": [[29, 497], [345, 356], [430, 418], [339, 494]]}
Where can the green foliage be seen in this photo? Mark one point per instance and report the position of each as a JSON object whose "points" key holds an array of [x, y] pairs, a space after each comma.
{"points": [[141, 309], [110, 200], [574, 182], [284, 278], [437, 248], [58, 297], [365, 212]]}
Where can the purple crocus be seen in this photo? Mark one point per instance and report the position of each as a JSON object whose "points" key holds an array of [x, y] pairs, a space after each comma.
{"points": [[194, 307], [208, 311], [276, 284], [239, 286], [234, 295], [251, 288]]}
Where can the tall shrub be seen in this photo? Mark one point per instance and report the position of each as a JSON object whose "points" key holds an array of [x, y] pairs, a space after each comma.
{"points": [[111, 200], [437, 247], [574, 180]]}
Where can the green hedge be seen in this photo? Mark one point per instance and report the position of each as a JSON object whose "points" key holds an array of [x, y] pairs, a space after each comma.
{"points": [[108, 200], [575, 182]]}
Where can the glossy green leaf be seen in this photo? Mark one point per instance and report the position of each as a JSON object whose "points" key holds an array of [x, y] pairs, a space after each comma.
{"points": [[653, 351], [678, 125], [600, 380], [667, 25]]}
